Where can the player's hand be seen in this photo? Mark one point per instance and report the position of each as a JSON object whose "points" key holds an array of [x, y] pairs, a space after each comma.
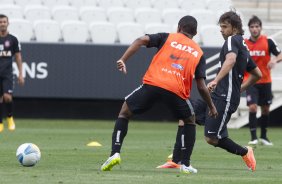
{"points": [[121, 66], [271, 64], [213, 112], [211, 86], [20, 80]]}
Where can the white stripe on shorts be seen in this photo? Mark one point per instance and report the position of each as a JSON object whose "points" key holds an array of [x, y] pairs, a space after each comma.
{"points": [[133, 92], [223, 119], [190, 106], [182, 141]]}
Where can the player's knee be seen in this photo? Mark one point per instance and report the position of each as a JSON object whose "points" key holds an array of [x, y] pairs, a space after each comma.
{"points": [[191, 120], [125, 112], [265, 110], [7, 98], [253, 108], [180, 123], [211, 141]]}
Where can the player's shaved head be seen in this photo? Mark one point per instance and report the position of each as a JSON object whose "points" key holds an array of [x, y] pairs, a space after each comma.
{"points": [[188, 24]]}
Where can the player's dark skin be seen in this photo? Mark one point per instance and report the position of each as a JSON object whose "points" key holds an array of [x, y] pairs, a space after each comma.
{"points": [[144, 40]]}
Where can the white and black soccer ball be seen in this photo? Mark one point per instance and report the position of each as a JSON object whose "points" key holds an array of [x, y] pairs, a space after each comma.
{"points": [[28, 154]]}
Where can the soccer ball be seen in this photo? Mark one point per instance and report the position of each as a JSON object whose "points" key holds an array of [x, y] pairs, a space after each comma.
{"points": [[28, 154]]}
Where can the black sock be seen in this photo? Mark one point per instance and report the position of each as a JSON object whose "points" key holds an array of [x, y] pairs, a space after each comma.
{"points": [[188, 138], [232, 147], [1, 112], [263, 123], [9, 106], [118, 135], [177, 146], [253, 125]]}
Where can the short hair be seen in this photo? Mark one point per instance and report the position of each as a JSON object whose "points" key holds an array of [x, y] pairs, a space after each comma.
{"points": [[3, 16], [188, 24], [234, 19], [254, 20]]}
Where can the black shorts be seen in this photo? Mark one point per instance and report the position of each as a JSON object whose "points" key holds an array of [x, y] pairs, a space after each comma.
{"points": [[200, 108], [259, 94], [217, 127], [145, 96], [6, 84]]}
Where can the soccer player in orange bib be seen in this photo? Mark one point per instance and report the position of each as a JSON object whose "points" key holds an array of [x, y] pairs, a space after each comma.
{"points": [[169, 80], [261, 47]]}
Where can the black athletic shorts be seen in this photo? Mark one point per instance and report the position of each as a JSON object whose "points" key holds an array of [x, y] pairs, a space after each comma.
{"points": [[200, 108], [145, 96], [6, 84], [259, 94], [217, 127]]}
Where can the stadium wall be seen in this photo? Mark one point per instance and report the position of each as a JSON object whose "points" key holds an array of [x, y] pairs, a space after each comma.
{"points": [[81, 71]]}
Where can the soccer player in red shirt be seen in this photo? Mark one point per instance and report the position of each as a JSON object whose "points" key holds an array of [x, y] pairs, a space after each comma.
{"points": [[261, 47]]}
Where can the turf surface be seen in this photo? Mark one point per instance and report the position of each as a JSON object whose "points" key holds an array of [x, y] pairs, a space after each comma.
{"points": [[67, 159]]}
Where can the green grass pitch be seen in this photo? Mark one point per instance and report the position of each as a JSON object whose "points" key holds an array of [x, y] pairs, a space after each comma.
{"points": [[67, 160]]}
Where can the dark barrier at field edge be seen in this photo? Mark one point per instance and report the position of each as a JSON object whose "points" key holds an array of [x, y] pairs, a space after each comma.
{"points": [[74, 71], [81, 81]]}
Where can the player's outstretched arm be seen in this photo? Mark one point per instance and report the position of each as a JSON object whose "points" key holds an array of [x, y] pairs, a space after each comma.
{"points": [[132, 49]]}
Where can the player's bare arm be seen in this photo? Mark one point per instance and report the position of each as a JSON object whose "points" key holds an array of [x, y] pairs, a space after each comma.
{"points": [[228, 64], [132, 49], [254, 76], [18, 58], [274, 60], [203, 90]]}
